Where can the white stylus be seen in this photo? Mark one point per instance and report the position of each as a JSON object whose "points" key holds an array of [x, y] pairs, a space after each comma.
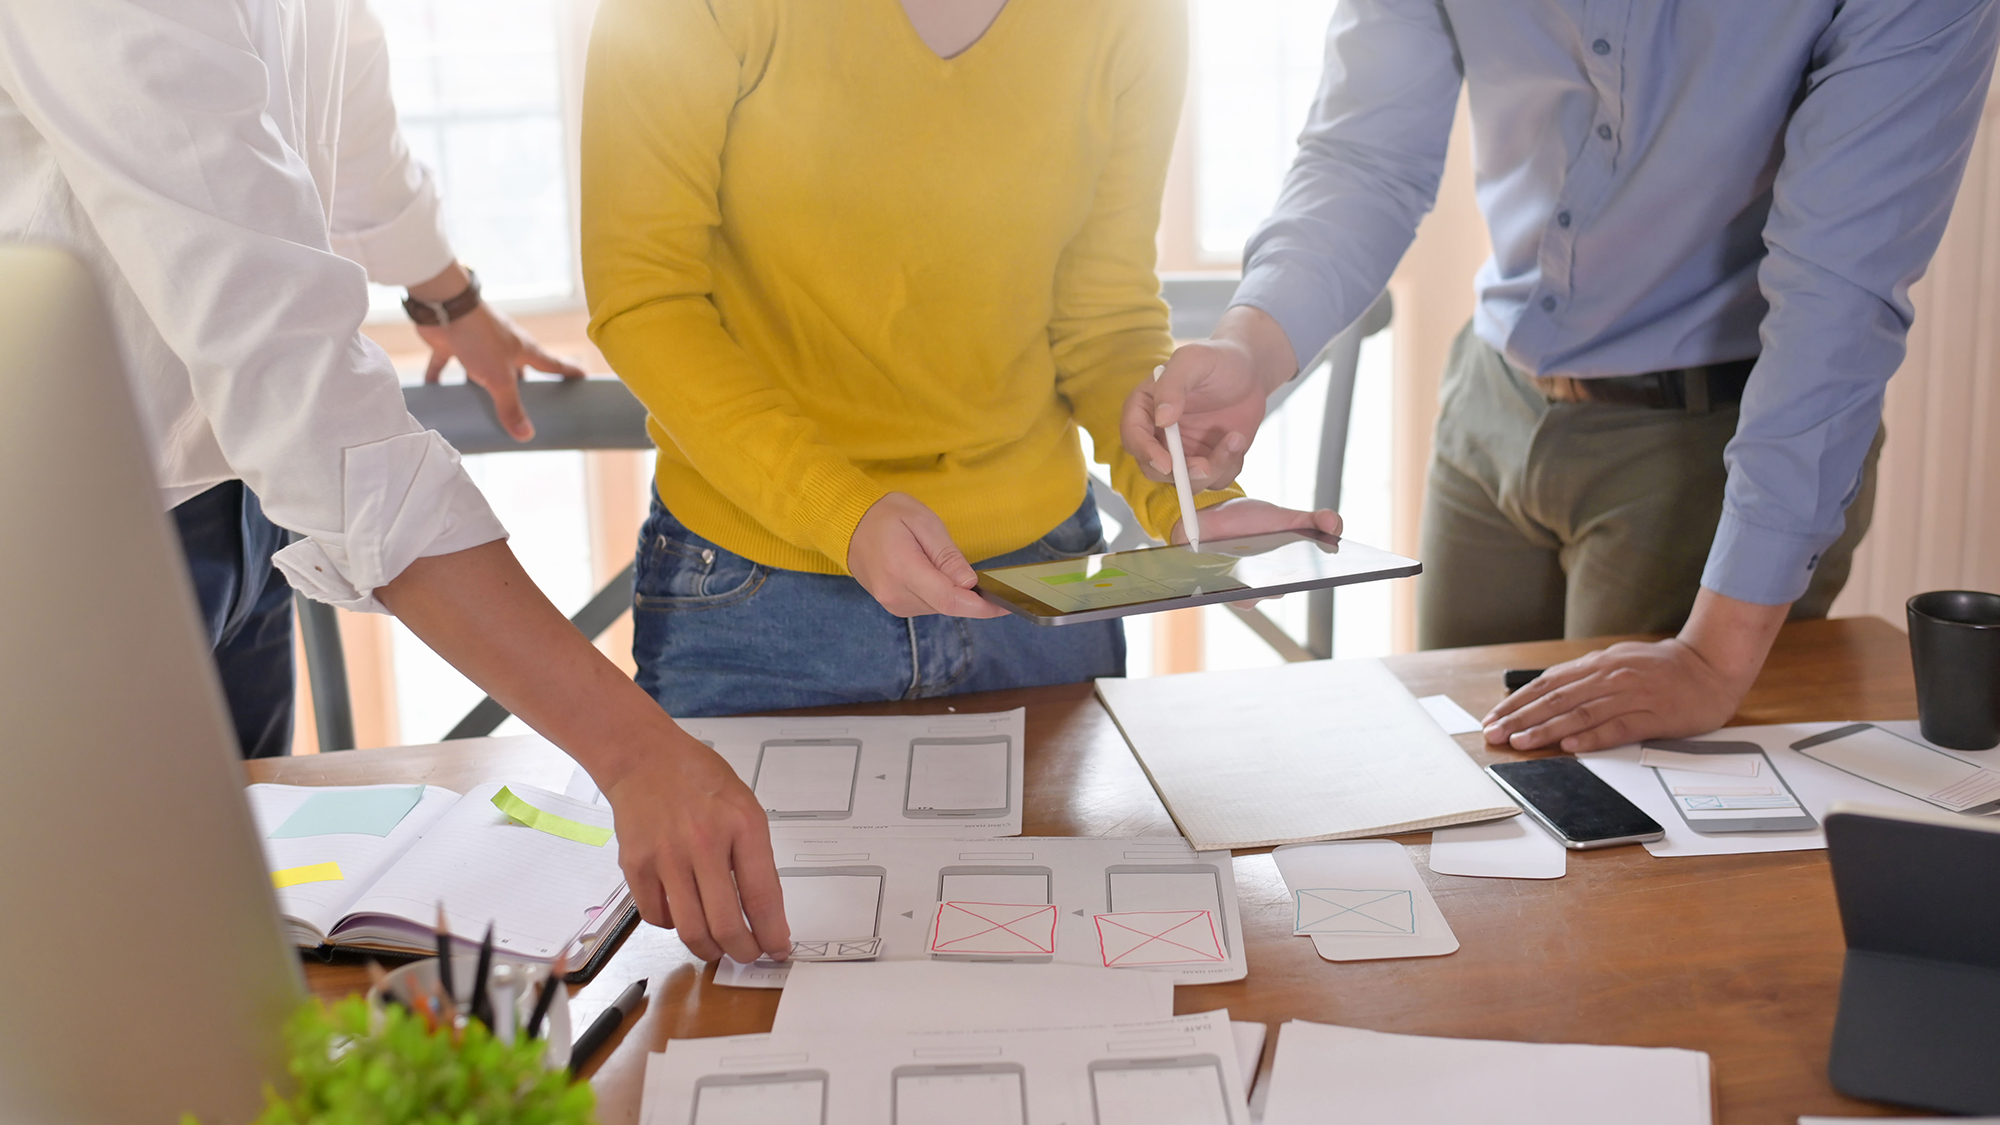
{"points": [[1189, 521]]}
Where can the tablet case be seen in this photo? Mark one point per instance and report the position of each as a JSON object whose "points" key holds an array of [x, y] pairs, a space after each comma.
{"points": [[1919, 900]]}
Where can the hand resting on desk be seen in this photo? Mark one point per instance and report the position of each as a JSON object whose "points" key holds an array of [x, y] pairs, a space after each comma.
{"points": [[1685, 685]]}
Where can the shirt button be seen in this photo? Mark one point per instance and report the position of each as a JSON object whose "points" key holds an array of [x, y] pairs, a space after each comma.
{"points": [[1604, 131], [1548, 304], [1601, 47], [1562, 218]]}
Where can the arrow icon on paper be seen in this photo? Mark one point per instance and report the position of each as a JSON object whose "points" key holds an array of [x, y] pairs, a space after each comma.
{"points": [[1078, 913], [909, 914], [881, 777]]}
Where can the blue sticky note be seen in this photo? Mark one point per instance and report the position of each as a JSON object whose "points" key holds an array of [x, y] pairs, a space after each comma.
{"points": [[369, 812]]}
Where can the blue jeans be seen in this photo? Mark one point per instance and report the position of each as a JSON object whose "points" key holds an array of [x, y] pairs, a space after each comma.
{"points": [[716, 634], [246, 610]]}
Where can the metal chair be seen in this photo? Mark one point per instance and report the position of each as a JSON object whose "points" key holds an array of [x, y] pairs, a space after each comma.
{"points": [[1197, 303], [588, 414]]}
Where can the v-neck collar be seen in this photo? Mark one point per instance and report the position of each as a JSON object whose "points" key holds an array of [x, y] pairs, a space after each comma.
{"points": [[977, 47]]}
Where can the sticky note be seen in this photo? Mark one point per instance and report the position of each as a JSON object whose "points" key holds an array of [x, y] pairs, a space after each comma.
{"points": [[365, 812], [521, 812], [328, 872]]}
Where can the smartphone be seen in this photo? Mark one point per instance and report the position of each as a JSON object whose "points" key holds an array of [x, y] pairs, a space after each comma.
{"points": [[959, 1094], [784, 1097], [807, 778], [1575, 804], [959, 777], [1186, 1090], [1014, 886]]}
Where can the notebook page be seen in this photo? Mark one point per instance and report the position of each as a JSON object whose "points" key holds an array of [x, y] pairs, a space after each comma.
{"points": [[539, 890], [362, 857]]}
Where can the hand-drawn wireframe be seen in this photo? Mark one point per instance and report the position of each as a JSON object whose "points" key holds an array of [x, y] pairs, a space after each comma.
{"points": [[1339, 910], [993, 929], [1168, 886], [860, 949], [988, 1093], [1760, 800], [1015, 885], [807, 778], [1911, 768], [838, 906], [1138, 938], [779, 1097], [1185, 1089], [959, 777]]}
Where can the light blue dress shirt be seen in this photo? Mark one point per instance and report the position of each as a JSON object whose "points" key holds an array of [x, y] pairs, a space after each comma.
{"points": [[1667, 183]]}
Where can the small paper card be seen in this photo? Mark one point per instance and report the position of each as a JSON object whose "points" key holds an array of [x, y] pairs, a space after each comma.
{"points": [[855, 949], [1728, 765], [993, 928], [1137, 938], [1335, 910], [373, 811]]}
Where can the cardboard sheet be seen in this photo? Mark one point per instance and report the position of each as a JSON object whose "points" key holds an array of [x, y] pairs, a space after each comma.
{"points": [[1363, 900], [1325, 1073], [1184, 1070], [1023, 899], [1324, 750]]}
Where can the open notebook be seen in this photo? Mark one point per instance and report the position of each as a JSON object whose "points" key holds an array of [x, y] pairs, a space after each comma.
{"points": [[365, 867]]}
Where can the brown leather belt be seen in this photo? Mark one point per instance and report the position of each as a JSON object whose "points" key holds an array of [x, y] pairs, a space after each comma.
{"points": [[1696, 390]]}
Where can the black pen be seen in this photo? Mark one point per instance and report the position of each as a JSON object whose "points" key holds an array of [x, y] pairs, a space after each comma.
{"points": [[592, 1040], [482, 1000], [548, 995], [444, 957]]}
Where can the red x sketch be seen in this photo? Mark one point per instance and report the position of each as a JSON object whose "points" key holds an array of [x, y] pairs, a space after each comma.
{"points": [[994, 928], [1159, 937]]}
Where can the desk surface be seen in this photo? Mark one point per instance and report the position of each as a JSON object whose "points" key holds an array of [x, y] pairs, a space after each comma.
{"points": [[1736, 955]]}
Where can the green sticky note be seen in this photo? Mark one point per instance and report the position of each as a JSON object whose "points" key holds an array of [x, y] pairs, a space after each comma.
{"points": [[367, 812], [542, 820]]}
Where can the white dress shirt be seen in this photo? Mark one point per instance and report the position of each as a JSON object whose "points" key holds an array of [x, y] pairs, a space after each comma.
{"points": [[231, 171]]}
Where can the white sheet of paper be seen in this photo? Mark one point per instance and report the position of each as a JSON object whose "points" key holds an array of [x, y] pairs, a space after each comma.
{"points": [[1515, 848], [1326, 1073], [1726, 765], [1367, 865], [1177, 1071], [897, 996], [1249, 1049], [1817, 786], [1449, 715], [1342, 749], [1090, 876], [918, 775]]}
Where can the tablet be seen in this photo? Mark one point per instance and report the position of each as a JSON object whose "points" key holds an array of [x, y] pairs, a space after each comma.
{"points": [[1151, 579]]}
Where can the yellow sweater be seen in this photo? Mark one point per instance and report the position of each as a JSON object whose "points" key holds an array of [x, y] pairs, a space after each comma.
{"points": [[833, 265]]}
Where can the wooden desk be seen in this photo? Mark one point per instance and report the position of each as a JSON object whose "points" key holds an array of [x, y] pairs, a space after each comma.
{"points": [[1736, 955]]}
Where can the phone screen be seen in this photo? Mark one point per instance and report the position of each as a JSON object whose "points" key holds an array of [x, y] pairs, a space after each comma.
{"points": [[795, 1101], [1156, 1095], [1013, 889], [958, 775], [976, 1097], [804, 778], [1165, 890], [831, 907], [1577, 802]]}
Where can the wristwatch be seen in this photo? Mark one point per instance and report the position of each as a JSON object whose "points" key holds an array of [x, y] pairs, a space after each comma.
{"points": [[440, 313]]}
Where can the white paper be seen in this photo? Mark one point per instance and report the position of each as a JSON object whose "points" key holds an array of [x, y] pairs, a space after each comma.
{"points": [[1817, 786], [362, 858], [1323, 750], [1449, 715], [1249, 1049], [898, 996], [948, 776], [1136, 883], [1370, 904], [1910, 766], [1726, 765], [1178, 1071], [1326, 1073], [1515, 848]]}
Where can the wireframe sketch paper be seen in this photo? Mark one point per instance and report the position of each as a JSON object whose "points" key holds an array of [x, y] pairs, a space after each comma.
{"points": [[1516, 848], [967, 996], [1910, 766], [1023, 899], [1815, 784], [1327, 1073], [1362, 900], [1184, 1070], [1323, 750], [947, 776]]}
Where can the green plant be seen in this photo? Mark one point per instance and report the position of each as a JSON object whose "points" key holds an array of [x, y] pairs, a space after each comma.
{"points": [[354, 1066]]}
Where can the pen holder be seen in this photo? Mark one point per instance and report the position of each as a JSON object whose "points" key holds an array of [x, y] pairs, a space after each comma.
{"points": [[522, 978]]}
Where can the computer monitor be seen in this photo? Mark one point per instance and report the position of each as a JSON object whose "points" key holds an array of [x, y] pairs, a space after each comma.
{"points": [[143, 972]]}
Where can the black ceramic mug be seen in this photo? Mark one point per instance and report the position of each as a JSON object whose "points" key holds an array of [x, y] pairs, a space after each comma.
{"points": [[1955, 645]]}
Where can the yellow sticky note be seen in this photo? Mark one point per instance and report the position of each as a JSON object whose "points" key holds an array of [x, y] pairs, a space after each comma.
{"points": [[521, 812], [328, 872]]}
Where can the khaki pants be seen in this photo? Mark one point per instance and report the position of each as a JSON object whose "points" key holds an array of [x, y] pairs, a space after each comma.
{"points": [[1546, 520]]}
